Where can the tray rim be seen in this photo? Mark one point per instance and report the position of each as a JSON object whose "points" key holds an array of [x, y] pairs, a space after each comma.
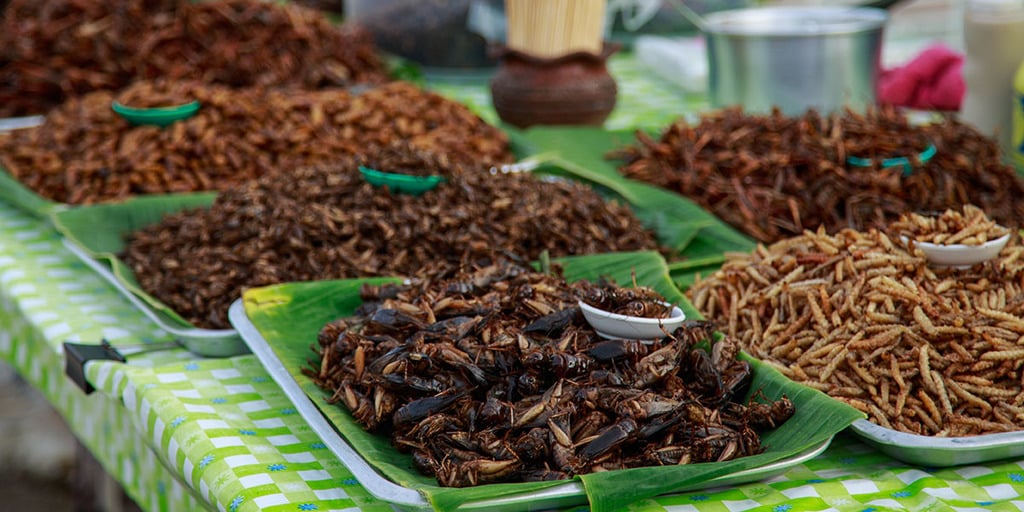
{"points": [[936, 451], [396, 494], [203, 342], [21, 122]]}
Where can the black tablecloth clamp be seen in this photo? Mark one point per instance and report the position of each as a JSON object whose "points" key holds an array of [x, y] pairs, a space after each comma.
{"points": [[77, 354]]}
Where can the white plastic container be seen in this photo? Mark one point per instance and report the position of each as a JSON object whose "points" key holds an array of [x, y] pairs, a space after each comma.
{"points": [[994, 43]]}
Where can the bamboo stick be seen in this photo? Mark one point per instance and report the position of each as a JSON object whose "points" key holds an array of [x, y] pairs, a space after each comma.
{"points": [[552, 28]]}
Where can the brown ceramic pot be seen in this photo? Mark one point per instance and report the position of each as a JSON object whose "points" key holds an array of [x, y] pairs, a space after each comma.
{"points": [[573, 89]]}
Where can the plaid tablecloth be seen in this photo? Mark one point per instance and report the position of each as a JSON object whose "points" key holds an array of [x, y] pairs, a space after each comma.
{"points": [[186, 433]]}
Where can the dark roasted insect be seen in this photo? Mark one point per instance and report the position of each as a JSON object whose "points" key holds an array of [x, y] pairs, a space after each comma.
{"points": [[644, 308], [614, 349], [770, 415], [420, 408], [327, 222], [391, 320], [483, 399], [554, 323], [558, 364], [611, 437], [636, 301], [413, 383]]}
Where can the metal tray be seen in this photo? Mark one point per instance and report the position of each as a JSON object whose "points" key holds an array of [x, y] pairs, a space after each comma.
{"points": [[940, 451], [569, 494], [18, 123], [203, 342]]}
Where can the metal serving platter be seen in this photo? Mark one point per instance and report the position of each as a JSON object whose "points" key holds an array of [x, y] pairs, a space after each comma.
{"points": [[18, 123], [569, 494], [203, 342], [940, 451]]}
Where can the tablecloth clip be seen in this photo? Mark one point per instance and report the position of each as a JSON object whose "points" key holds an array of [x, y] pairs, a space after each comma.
{"points": [[77, 354]]}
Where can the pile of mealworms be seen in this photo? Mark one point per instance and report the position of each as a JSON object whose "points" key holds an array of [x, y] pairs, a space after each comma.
{"points": [[920, 349], [967, 227]]}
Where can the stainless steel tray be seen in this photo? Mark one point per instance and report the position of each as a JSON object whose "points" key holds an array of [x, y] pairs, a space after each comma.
{"points": [[569, 494], [940, 451], [18, 123], [203, 342]]}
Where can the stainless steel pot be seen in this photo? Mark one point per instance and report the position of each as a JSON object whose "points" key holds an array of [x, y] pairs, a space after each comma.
{"points": [[795, 58]]}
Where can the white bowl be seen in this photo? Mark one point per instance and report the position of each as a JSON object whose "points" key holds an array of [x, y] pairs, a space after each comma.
{"points": [[960, 255], [615, 326]]}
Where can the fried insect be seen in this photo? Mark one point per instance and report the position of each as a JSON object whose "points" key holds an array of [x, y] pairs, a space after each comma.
{"points": [[921, 349], [326, 222], [635, 301], [970, 226], [84, 153], [537, 408]]}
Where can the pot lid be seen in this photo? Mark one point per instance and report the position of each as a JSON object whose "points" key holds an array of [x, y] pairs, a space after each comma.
{"points": [[796, 21]]}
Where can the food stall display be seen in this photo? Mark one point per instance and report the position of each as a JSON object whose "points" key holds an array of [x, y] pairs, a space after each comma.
{"points": [[419, 306], [85, 152]]}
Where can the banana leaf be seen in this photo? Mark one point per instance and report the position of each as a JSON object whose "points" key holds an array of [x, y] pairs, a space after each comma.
{"points": [[101, 230], [698, 238], [289, 316]]}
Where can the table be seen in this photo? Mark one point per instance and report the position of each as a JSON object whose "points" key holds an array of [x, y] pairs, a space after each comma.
{"points": [[180, 432]]}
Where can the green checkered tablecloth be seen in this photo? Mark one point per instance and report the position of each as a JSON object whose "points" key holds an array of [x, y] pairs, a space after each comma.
{"points": [[181, 432]]}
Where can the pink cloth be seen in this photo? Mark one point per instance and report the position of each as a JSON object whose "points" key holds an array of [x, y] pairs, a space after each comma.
{"points": [[933, 80]]}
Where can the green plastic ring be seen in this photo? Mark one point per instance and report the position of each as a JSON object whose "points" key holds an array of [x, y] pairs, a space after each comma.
{"points": [[908, 165], [400, 183], [158, 116]]}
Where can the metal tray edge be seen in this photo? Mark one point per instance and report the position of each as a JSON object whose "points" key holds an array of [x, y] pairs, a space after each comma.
{"points": [[204, 342], [376, 484], [938, 451], [20, 123]]}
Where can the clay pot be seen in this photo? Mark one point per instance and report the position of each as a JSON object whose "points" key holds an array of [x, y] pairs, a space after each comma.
{"points": [[573, 89]]}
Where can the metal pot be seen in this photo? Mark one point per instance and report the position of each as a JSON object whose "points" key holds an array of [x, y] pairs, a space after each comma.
{"points": [[795, 58]]}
